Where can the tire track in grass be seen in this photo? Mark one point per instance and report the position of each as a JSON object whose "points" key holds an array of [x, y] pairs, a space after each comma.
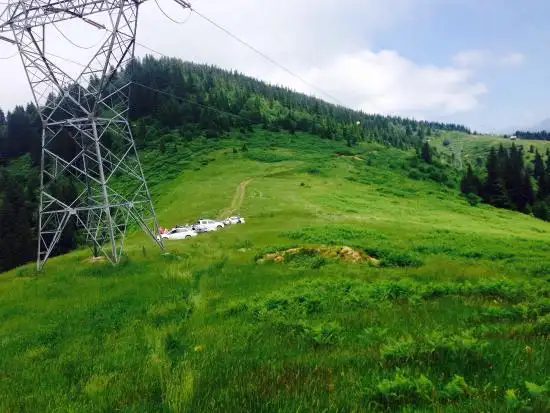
{"points": [[237, 200]]}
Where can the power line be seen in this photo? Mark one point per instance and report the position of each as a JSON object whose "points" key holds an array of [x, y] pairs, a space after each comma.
{"points": [[152, 50], [265, 56], [191, 102], [170, 18], [180, 98], [9, 57], [73, 43]]}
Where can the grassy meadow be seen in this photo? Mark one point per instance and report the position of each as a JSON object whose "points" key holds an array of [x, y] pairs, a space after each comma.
{"points": [[473, 149], [453, 315]]}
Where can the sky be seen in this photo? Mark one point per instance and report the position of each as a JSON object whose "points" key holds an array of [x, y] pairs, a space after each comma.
{"points": [[482, 63]]}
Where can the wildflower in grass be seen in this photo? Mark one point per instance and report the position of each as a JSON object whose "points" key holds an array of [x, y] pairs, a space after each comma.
{"points": [[528, 350], [199, 348]]}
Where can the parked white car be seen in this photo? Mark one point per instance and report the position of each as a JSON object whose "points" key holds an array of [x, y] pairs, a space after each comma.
{"points": [[179, 233], [207, 225], [236, 219]]}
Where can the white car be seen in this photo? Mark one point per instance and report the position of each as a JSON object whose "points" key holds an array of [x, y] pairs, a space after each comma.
{"points": [[179, 233], [236, 219], [207, 225]]}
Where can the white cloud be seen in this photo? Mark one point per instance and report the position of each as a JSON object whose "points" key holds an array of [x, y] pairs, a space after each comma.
{"points": [[512, 59], [477, 58], [471, 58], [386, 82], [329, 43]]}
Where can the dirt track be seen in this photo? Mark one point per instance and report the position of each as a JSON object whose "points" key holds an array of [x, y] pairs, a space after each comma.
{"points": [[237, 200]]}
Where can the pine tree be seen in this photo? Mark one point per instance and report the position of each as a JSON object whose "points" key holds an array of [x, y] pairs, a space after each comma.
{"points": [[538, 164], [15, 243], [527, 194], [470, 183], [427, 153], [494, 190], [513, 176], [542, 192]]}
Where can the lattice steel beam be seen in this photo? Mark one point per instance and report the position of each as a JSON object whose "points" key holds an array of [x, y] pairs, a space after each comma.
{"points": [[90, 111]]}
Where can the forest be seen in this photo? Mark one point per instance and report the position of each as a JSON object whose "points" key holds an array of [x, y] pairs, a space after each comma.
{"points": [[173, 97], [538, 136], [510, 183]]}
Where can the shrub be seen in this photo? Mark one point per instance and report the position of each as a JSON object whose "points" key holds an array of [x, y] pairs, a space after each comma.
{"points": [[457, 388], [345, 152], [402, 390], [435, 347], [326, 334], [314, 171], [473, 199], [267, 157], [541, 209], [318, 262], [394, 259]]}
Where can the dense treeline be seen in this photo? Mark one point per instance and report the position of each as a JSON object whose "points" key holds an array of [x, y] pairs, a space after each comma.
{"points": [[194, 100], [510, 183], [206, 98], [539, 136]]}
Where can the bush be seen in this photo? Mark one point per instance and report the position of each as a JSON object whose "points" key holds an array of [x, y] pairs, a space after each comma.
{"points": [[345, 152], [324, 335], [402, 390], [318, 262], [394, 259], [314, 171], [541, 209], [473, 199]]}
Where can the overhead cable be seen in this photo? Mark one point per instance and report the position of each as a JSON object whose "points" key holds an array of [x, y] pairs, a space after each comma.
{"points": [[73, 43], [170, 18], [268, 58]]}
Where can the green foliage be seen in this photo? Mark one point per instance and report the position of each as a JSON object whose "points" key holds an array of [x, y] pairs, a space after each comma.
{"points": [[394, 258], [473, 199], [457, 388], [325, 334], [265, 156], [318, 262], [402, 390], [509, 183]]}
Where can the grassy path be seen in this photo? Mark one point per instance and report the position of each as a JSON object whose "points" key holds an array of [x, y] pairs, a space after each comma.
{"points": [[237, 200]]}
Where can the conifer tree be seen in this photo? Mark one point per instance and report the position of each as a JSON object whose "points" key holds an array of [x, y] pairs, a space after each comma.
{"points": [[427, 153], [470, 183], [538, 164]]}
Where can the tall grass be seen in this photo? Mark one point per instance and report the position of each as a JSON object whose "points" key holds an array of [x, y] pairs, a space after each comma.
{"points": [[456, 319]]}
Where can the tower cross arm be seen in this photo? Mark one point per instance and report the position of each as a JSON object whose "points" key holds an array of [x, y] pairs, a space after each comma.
{"points": [[32, 13]]}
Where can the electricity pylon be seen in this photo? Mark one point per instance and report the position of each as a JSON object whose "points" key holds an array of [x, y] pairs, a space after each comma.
{"points": [[90, 111]]}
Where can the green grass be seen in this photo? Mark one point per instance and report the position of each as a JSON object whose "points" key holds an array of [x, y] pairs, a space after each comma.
{"points": [[473, 149], [457, 321]]}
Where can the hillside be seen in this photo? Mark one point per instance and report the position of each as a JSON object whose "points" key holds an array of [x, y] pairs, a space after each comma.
{"points": [[449, 313], [473, 149], [173, 103]]}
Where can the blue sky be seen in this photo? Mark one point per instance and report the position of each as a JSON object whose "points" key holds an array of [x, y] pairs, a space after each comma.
{"points": [[516, 94], [484, 63]]}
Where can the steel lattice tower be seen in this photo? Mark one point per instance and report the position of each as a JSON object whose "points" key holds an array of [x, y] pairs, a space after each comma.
{"points": [[90, 109]]}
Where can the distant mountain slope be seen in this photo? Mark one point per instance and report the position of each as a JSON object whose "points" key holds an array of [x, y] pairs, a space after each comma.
{"points": [[543, 125], [217, 99]]}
